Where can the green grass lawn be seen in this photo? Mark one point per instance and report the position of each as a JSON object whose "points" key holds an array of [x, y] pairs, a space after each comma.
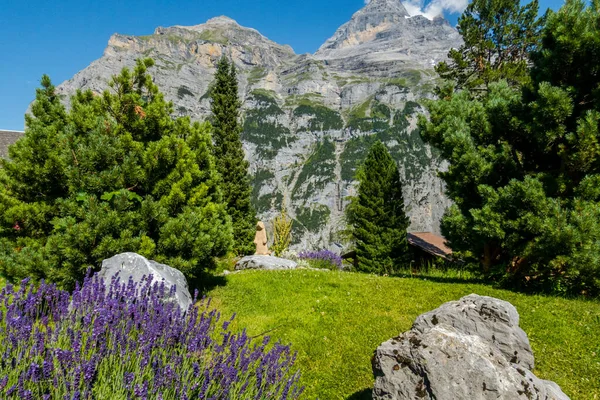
{"points": [[335, 321]]}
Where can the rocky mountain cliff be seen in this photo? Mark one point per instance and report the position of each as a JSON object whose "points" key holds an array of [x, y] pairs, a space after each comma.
{"points": [[384, 36], [308, 119]]}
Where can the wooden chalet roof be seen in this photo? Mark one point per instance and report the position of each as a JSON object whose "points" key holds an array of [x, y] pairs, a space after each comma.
{"points": [[430, 242], [426, 241]]}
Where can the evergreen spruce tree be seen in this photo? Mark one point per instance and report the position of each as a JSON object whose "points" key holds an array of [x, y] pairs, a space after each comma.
{"points": [[114, 174], [38, 169], [229, 156], [376, 215]]}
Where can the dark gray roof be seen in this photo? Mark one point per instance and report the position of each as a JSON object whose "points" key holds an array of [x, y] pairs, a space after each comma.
{"points": [[6, 139]]}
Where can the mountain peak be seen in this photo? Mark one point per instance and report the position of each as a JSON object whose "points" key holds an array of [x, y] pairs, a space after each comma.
{"points": [[222, 20], [383, 31], [365, 25], [384, 6]]}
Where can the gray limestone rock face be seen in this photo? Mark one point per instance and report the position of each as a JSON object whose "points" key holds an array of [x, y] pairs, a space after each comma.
{"points": [[136, 266], [383, 31], [472, 348], [6, 139], [495, 321], [265, 262]]}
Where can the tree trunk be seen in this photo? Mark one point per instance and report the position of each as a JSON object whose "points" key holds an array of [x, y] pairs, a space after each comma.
{"points": [[487, 257]]}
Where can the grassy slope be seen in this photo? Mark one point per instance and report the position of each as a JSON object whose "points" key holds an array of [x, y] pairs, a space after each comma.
{"points": [[336, 320]]}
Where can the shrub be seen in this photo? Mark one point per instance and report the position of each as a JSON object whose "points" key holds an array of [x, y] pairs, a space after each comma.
{"points": [[129, 341], [324, 259], [115, 173], [282, 232]]}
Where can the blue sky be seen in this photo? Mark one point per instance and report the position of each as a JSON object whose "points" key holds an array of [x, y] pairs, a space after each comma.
{"points": [[61, 37]]}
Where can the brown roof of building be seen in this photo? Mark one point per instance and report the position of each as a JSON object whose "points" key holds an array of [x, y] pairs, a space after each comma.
{"points": [[430, 242]]}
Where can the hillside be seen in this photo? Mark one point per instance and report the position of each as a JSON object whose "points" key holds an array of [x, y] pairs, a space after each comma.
{"points": [[336, 320], [308, 119]]}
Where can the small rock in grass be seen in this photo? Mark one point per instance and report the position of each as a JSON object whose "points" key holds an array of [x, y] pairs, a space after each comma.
{"points": [[265, 262]]}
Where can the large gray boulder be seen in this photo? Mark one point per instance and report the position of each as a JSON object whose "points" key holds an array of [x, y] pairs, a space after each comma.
{"points": [[137, 266], [444, 358], [494, 320], [265, 262]]}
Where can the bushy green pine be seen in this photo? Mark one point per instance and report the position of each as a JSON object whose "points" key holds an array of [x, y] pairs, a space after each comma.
{"points": [[525, 164], [376, 214], [499, 36], [116, 173], [229, 155]]}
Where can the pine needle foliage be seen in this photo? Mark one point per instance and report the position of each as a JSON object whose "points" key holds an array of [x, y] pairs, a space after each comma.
{"points": [[229, 156], [524, 170], [376, 214], [499, 36], [116, 173]]}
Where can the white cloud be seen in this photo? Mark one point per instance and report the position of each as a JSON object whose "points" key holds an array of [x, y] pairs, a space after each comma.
{"points": [[434, 8]]}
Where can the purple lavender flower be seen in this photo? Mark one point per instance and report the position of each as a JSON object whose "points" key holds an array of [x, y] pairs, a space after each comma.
{"points": [[58, 345], [322, 257]]}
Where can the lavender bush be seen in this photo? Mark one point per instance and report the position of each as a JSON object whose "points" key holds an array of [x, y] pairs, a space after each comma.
{"points": [[322, 259], [126, 342]]}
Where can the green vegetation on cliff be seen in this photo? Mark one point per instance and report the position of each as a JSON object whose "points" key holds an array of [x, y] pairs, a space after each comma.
{"points": [[256, 74], [314, 217], [262, 128], [269, 200], [183, 91], [214, 36], [370, 116], [317, 171], [406, 146], [321, 119]]}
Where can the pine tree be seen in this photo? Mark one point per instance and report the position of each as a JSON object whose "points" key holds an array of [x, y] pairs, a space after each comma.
{"points": [[229, 155], [127, 177], [499, 36], [39, 172], [525, 164], [376, 215]]}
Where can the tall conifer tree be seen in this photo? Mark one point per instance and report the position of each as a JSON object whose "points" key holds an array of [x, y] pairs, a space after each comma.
{"points": [[229, 156], [376, 215]]}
